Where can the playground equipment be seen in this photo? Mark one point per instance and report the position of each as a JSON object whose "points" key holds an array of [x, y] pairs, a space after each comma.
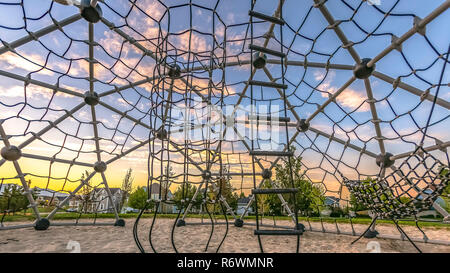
{"points": [[225, 96]]}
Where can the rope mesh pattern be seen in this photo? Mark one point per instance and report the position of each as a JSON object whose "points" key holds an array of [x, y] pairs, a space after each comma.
{"points": [[162, 85], [419, 180]]}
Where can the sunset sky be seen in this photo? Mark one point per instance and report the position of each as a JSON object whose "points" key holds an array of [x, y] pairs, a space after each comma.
{"points": [[62, 58]]}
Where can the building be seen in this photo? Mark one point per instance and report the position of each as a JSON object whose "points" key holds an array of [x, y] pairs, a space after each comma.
{"points": [[331, 201], [155, 195], [101, 203], [4, 187], [97, 201], [242, 204], [75, 203], [49, 197]]}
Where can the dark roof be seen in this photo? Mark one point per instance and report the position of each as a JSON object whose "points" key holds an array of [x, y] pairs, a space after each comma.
{"points": [[331, 200], [4, 186], [49, 193], [244, 200], [113, 190], [154, 188]]}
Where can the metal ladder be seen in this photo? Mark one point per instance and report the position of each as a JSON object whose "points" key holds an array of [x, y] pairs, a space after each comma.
{"points": [[258, 61]]}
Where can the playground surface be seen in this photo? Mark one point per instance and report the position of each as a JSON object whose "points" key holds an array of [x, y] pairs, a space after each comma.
{"points": [[191, 238]]}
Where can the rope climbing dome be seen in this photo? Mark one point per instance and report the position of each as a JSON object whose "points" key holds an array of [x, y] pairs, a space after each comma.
{"points": [[215, 98]]}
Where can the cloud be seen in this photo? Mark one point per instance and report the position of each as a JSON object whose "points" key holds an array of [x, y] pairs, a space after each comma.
{"points": [[32, 91], [349, 98], [10, 61], [31, 62]]}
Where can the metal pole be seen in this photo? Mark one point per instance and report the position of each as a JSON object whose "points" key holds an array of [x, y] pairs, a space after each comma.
{"points": [[26, 189], [442, 8], [72, 194], [37, 34]]}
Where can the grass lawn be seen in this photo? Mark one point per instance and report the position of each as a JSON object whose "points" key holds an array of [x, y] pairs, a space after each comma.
{"points": [[358, 220]]}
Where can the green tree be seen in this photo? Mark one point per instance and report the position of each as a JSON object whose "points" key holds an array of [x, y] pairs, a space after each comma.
{"points": [[138, 198], [188, 192], [226, 190], [309, 196], [13, 199], [355, 204], [375, 191], [272, 201], [444, 174], [86, 193], [166, 181], [127, 184]]}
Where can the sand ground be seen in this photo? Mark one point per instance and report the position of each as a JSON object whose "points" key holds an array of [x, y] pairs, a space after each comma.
{"points": [[193, 238]]}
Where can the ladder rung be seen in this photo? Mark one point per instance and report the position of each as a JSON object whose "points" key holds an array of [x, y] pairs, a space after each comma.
{"points": [[267, 51], [267, 118], [279, 232], [271, 153], [274, 191], [268, 84], [265, 17]]}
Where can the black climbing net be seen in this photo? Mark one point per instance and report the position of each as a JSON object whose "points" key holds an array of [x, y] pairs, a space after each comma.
{"points": [[163, 87]]}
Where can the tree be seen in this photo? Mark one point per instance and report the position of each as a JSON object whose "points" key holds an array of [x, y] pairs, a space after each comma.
{"points": [[272, 201], [444, 175], [13, 199], [166, 181], [376, 192], [355, 204], [86, 192], [309, 196], [223, 185], [127, 184], [138, 199], [187, 190]]}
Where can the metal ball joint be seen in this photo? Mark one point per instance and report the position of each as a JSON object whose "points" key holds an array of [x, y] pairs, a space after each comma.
{"points": [[259, 61], [238, 223], [230, 121], [181, 223], [174, 71], [362, 71], [302, 125], [206, 175], [11, 153], [370, 234], [119, 223], [385, 160], [161, 133], [90, 13], [91, 98], [301, 227], [266, 174], [100, 166], [42, 224]]}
